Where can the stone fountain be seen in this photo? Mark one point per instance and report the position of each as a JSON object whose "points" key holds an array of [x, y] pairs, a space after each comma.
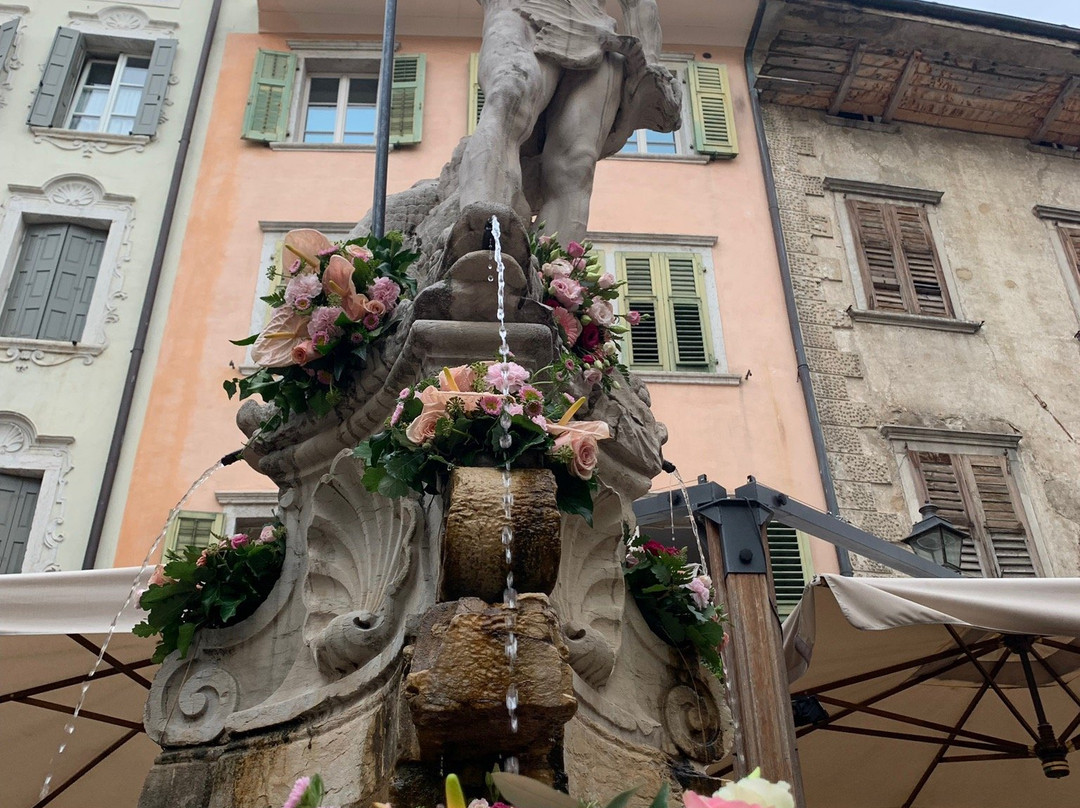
{"points": [[378, 658]]}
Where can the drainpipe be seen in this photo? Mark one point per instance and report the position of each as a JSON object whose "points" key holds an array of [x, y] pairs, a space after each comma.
{"points": [[818, 436], [112, 463]]}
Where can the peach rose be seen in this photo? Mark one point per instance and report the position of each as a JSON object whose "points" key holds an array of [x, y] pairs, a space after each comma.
{"points": [[583, 463], [376, 307], [304, 353], [422, 429]]}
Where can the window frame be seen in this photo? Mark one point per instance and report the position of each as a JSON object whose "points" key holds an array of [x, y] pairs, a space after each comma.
{"points": [[684, 135], [340, 112], [905, 440], [110, 102]]}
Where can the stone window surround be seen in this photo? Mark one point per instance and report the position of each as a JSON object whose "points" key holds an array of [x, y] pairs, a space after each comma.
{"points": [[860, 311], [901, 439], [74, 199], [246, 505], [612, 242], [23, 450], [10, 12], [1054, 216]]}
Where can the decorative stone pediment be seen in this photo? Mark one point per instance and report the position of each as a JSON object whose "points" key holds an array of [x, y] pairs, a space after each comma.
{"points": [[123, 20]]}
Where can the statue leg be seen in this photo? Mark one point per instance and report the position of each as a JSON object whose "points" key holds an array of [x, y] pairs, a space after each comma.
{"points": [[517, 89], [579, 119]]}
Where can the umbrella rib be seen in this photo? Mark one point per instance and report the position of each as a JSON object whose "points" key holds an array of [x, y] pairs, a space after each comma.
{"points": [[123, 667], [63, 708], [1064, 686], [52, 795], [62, 683], [908, 736], [950, 741], [982, 647], [976, 758], [993, 685], [1061, 646]]}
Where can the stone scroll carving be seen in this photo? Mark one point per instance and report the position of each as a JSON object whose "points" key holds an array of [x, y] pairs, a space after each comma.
{"points": [[359, 556]]}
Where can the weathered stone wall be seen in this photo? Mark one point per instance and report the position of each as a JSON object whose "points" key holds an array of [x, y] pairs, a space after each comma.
{"points": [[1003, 266]]}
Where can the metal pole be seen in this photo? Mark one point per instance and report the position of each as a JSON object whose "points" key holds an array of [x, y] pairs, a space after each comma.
{"points": [[382, 120]]}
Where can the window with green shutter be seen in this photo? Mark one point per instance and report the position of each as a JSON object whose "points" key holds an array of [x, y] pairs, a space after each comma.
{"points": [[197, 528], [668, 291], [710, 100], [266, 117], [50, 292], [407, 99], [789, 558], [18, 500]]}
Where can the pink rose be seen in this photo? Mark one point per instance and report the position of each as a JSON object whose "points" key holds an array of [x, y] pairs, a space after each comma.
{"points": [[543, 241], [575, 250], [570, 325], [201, 561], [238, 540], [607, 280], [602, 313], [159, 578], [304, 353], [699, 590], [422, 429], [633, 317], [356, 251], [559, 268], [266, 535], [579, 264], [568, 292], [463, 375], [583, 463], [516, 376], [376, 307], [592, 376]]}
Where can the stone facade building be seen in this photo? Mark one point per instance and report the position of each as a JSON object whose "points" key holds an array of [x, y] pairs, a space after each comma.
{"points": [[928, 186]]}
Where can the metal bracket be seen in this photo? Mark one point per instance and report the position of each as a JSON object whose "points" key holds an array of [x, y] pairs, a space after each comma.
{"points": [[740, 522]]}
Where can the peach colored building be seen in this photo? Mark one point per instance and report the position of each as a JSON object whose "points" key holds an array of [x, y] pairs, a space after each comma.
{"points": [[731, 399]]}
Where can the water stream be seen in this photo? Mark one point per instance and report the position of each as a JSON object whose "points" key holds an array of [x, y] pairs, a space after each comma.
{"points": [[509, 594], [69, 728]]}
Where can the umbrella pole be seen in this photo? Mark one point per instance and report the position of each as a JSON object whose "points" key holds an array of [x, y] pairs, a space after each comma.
{"points": [[753, 657]]}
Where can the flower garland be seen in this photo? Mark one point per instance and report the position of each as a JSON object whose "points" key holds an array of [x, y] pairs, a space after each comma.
{"points": [[675, 599], [213, 586], [455, 419], [580, 294], [338, 299]]}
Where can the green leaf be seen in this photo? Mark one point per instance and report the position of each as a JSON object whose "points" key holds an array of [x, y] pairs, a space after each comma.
{"points": [[392, 487], [523, 792], [622, 799], [184, 637], [313, 796], [574, 496], [661, 798], [230, 387], [245, 341]]}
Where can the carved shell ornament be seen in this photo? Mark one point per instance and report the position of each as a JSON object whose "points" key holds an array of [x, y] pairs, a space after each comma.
{"points": [[13, 438], [359, 558]]}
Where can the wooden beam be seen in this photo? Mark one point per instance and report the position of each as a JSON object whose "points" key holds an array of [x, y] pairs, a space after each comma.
{"points": [[849, 76], [1055, 109], [901, 86], [754, 664]]}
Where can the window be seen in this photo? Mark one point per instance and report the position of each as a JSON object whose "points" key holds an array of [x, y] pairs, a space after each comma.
{"points": [[707, 128], [340, 109], [336, 98], [53, 284], [194, 528], [978, 494], [92, 84], [18, 501], [789, 558], [668, 290], [899, 264], [1070, 239], [7, 40]]}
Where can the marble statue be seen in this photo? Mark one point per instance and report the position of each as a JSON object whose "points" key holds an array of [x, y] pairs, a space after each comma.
{"points": [[562, 90]]}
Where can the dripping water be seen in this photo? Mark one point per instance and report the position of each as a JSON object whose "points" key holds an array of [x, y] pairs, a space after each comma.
{"points": [[69, 728], [509, 594], [690, 514]]}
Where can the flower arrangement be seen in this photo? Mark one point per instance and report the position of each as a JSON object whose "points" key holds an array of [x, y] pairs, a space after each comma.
{"points": [[336, 301], [676, 600], [580, 294], [213, 586], [752, 791], [458, 419]]}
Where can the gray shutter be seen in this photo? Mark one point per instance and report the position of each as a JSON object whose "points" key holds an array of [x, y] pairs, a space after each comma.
{"points": [[18, 500], [7, 39], [54, 95], [157, 80], [73, 285], [28, 294]]}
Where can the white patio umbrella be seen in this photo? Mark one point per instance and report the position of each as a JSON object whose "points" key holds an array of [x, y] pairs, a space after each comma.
{"points": [[52, 626], [930, 693]]}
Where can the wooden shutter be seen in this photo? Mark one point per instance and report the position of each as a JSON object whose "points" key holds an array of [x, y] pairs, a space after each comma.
{"points": [[686, 305], [157, 81], [28, 295], [18, 500], [266, 118], [877, 259], [476, 94], [1070, 237], [786, 560], [921, 260], [407, 99], [57, 86], [710, 101], [7, 39], [942, 480], [73, 285], [645, 350], [1001, 517], [197, 528]]}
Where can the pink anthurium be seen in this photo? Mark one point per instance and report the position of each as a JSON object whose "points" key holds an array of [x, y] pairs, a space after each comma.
{"points": [[304, 246], [286, 330], [337, 280]]}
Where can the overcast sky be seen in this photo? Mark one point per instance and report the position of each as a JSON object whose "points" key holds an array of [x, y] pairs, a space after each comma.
{"points": [[1062, 12]]}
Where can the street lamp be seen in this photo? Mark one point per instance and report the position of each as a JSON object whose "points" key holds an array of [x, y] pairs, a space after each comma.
{"points": [[936, 539]]}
